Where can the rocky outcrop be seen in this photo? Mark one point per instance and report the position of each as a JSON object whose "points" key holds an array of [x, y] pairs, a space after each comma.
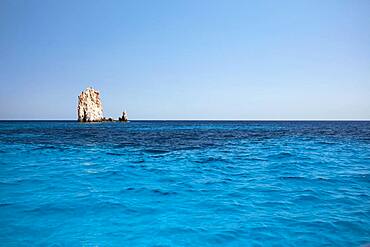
{"points": [[124, 117], [90, 108]]}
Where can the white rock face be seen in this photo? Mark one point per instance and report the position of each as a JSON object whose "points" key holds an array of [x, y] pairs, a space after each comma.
{"points": [[90, 108]]}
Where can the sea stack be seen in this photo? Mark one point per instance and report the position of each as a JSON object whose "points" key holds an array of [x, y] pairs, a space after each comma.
{"points": [[124, 117], [90, 108]]}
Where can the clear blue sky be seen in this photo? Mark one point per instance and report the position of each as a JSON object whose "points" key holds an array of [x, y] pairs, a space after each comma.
{"points": [[186, 59]]}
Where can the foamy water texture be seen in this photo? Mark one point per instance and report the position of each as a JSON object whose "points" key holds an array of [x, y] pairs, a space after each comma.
{"points": [[185, 183]]}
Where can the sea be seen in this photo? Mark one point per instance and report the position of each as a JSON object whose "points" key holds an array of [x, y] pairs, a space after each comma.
{"points": [[185, 183]]}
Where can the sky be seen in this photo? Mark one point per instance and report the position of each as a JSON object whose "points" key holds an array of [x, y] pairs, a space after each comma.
{"points": [[186, 59]]}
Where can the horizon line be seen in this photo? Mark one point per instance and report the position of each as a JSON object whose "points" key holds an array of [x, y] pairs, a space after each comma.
{"points": [[317, 119]]}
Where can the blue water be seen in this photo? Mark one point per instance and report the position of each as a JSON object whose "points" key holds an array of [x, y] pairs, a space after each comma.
{"points": [[184, 183]]}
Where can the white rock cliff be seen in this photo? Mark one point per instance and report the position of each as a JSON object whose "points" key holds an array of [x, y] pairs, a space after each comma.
{"points": [[90, 108]]}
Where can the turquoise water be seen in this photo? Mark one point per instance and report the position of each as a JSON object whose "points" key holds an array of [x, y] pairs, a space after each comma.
{"points": [[184, 183]]}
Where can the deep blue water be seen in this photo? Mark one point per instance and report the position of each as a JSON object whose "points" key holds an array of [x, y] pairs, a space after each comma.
{"points": [[185, 183]]}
